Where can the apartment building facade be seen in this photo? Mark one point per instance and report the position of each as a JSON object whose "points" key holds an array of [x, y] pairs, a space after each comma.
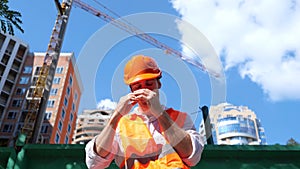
{"points": [[20, 69], [13, 52], [63, 103], [89, 124], [234, 125]]}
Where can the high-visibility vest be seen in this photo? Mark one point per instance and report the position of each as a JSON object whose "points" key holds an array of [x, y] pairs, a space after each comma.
{"points": [[143, 149]]}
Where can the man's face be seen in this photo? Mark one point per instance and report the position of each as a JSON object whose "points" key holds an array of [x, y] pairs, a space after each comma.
{"points": [[150, 84]]}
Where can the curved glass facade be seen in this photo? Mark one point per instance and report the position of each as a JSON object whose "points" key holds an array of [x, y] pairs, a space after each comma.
{"points": [[236, 125]]}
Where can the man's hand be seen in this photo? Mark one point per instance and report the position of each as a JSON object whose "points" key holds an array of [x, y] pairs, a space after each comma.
{"points": [[125, 104], [103, 143], [148, 101]]}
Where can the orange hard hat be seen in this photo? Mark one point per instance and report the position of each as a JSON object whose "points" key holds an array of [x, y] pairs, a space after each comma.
{"points": [[140, 67]]}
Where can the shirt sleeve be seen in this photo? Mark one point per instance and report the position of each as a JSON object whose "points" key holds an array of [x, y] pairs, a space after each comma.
{"points": [[197, 143], [93, 160]]}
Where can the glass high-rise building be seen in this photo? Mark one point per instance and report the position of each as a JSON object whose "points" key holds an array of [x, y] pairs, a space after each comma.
{"points": [[235, 125]]}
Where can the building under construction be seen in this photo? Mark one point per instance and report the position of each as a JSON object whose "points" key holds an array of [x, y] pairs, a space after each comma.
{"points": [[19, 74]]}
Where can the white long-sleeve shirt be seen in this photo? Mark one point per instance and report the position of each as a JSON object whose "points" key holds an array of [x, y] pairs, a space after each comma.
{"points": [[118, 153]]}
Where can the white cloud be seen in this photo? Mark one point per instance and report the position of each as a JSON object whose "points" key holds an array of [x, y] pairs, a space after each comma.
{"points": [[260, 38], [106, 104]]}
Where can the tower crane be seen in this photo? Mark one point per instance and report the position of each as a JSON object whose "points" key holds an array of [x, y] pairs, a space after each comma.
{"points": [[138, 33], [38, 103]]}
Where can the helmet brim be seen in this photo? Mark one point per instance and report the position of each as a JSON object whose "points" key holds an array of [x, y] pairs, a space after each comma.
{"points": [[141, 77]]}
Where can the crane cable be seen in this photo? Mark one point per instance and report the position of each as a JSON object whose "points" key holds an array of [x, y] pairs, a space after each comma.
{"points": [[133, 30]]}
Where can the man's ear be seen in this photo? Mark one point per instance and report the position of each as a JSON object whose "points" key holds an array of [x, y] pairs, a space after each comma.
{"points": [[159, 83], [130, 88]]}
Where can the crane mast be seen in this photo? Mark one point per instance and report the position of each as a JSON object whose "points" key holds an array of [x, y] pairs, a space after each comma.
{"points": [[38, 102]]}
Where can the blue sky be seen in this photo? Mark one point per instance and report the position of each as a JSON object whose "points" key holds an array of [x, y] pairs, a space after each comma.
{"points": [[258, 46]]}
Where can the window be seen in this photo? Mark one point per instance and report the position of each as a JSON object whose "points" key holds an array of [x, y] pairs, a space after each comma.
{"points": [[70, 80], [66, 140], [30, 92], [73, 107], [37, 70], [27, 69], [60, 125], [20, 91], [23, 116], [71, 117], [12, 115], [53, 91], [48, 115], [16, 103], [66, 101], [26, 105], [57, 138], [75, 96], [63, 113], [68, 91], [34, 80], [50, 103], [7, 128], [56, 80], [59, 70], [24, 80], [44, 129], [69, 128], [19, 127]]}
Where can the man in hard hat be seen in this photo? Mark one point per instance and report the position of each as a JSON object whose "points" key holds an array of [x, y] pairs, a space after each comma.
{"points": [[150, 136]]}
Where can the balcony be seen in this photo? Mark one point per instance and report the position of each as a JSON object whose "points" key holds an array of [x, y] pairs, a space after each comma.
{"points": [[2, 69], [21, 52], [16, 65], [12, 77], [7, 90], [83, 139], [8, 51], [8, 87], [5, 59], [3, 101]]}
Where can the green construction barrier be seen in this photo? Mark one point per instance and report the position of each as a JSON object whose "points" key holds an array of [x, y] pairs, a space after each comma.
{"points": [[51, 156], [7, 157], [213, 157], [250, 157]]}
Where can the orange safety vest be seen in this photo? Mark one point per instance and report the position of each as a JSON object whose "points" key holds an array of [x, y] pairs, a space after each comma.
{"points": [[139, 145]]}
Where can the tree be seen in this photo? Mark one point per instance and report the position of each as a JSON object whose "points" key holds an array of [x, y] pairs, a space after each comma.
{"points": [[291, 141], [9, 18]]}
